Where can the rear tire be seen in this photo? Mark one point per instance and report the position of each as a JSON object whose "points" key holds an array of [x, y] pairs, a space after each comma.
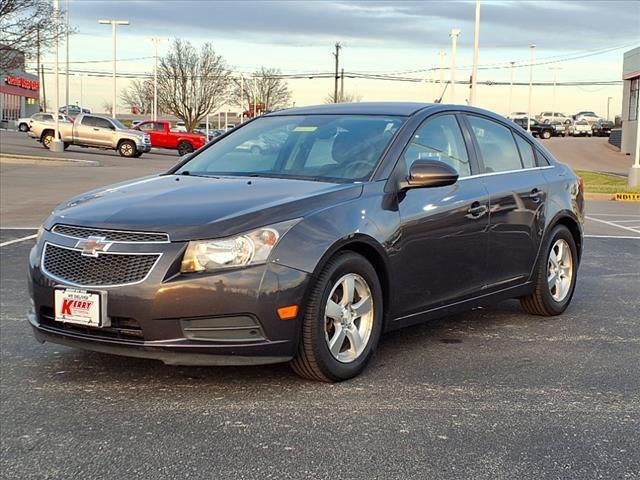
{"points": [[127, 149], [546, 134], [328, 310], [184, 148], [23, 127], [555, 276]]}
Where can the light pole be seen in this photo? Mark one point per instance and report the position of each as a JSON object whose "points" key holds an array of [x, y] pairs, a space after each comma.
{"points": [[608, 103], [154, 107], [474, 71], [66, 96], [56, 144], [533, 49], [454, 42], [441, 76], [511, 88], [114, 24], [555, 81], [81, 75]]}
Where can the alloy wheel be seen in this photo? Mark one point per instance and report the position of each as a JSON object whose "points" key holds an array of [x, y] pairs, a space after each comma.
{"points": [[127, 150], [348, 316], [560, 270]]}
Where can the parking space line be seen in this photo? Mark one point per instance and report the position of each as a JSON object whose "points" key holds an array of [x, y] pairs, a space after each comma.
{"points": [[625, 237], [635, 220], [617, 215], [611, 224], [18, 240]]}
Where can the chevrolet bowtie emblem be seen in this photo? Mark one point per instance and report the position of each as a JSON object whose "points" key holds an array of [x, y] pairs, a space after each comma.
{"points": [[91, 246]]}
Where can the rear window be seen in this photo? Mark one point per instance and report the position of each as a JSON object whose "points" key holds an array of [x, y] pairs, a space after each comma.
{"points": [[497, 146]]}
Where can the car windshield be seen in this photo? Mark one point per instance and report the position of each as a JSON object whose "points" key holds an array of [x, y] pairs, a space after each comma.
{"points": [[117, 123], [332, 148]]}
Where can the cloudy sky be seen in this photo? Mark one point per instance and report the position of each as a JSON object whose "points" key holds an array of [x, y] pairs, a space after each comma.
{"points": [[378, 37]]}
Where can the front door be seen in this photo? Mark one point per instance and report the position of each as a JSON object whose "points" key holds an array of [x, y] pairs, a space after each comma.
{"points": [[518, 191], [444, 230]]}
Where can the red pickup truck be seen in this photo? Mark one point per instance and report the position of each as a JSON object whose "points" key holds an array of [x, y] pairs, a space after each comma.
{"points": [[162, 137]]}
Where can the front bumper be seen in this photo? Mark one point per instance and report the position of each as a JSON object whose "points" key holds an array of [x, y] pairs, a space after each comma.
{"points": [[225, 318], [143, 147]]}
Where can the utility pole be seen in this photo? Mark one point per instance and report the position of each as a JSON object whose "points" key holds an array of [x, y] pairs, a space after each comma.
{"points": [[532, 48], [335, 86], [342, 85], [608, 102], [454, 42], [66, 34], [56, 144], [511, 88], [441, 77], [114, 24], [474, 71], [555, 81], [241, 98]]}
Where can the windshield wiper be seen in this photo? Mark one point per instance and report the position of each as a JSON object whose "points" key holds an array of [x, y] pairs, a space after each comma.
{"points": [[188, 173]]}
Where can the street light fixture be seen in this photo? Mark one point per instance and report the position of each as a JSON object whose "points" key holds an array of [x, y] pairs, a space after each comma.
{"points": [[454, 42], [532, 48], [555, 81], [154, 108], [114, 24]]}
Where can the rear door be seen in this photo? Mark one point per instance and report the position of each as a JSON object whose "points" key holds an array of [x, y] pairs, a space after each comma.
{"points": [[518, 192], [443, 241]]}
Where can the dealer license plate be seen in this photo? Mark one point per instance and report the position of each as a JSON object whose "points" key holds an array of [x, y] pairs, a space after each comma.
{"points": [[81, 307]]}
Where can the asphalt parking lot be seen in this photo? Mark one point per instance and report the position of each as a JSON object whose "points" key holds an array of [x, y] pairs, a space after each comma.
{"points": [[490, 394]]}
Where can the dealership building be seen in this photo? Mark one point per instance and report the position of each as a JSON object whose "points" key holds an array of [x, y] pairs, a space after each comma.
{"points": [[630, 93], [19, 91]]}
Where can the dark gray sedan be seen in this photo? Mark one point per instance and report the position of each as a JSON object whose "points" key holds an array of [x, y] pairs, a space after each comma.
{"points": [[361, 218]]}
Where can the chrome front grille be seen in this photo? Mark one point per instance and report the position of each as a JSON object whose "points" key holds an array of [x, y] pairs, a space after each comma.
{"points": [[119, 236], [107, 269]]}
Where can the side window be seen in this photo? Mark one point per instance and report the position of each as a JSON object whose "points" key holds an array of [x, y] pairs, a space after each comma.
{"points": [[440, 139], [542, 159], [497, 146], [103, 123], [88, 121], [526, 152], [37, 117], [47, 118]]}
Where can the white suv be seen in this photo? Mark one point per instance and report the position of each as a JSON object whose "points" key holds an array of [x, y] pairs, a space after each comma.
{"points": [[548, 117]]}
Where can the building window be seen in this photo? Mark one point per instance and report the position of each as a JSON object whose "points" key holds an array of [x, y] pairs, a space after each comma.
{"points": [[633, 99], [10, 106], [31, 101]]}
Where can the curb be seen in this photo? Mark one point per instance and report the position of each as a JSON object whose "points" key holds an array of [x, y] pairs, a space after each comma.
{"points": [[51, 161], [598, 196]]}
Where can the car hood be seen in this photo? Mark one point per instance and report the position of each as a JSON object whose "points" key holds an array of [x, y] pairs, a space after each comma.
{"points": [[189, 207]]}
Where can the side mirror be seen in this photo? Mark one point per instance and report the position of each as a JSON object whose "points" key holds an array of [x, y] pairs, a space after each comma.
{"points": [[429, 173]]}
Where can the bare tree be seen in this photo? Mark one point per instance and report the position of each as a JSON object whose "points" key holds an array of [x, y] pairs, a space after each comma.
{"points": [[27, 27], [107, 106], [268, 88], [138, 94], [347, 97], [192, 83]]}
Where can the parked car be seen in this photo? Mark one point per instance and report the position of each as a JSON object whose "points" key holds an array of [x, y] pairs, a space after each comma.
{"points": [[541, 130], [163, 137], [24, 123], [581, 128], [602, 128], [589, 116], [95, 131], [548, 117], [370, 217], [213, 133], [74, 110], [561, 128], [517, 115]]}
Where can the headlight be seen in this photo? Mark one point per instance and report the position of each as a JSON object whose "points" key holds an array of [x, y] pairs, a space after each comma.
{"points": [[250, 248]]}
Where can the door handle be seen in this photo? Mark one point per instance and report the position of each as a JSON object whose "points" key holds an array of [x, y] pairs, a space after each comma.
{"points": [[536, 195], [476, 210], [96, 129]]}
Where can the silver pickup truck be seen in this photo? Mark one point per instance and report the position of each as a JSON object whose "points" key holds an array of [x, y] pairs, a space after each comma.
{"points": [[96, 131]]}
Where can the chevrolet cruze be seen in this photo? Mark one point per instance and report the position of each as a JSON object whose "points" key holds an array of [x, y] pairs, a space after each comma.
{"points": [[360, 218]]}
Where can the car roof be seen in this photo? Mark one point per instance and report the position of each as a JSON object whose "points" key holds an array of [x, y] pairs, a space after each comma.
{"points": [[359, 108]]}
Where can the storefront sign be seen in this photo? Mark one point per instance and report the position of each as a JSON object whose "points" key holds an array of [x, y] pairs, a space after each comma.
{"points": [[22, 82]]}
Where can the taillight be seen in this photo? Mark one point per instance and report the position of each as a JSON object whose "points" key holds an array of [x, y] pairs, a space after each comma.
{"points": [[581, 185]]}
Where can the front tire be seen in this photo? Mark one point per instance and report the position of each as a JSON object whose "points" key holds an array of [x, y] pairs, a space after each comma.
{"points": [[127, 149], [546, 134], [184, 148], [47, 140], [555, 277], [342, 320]]}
